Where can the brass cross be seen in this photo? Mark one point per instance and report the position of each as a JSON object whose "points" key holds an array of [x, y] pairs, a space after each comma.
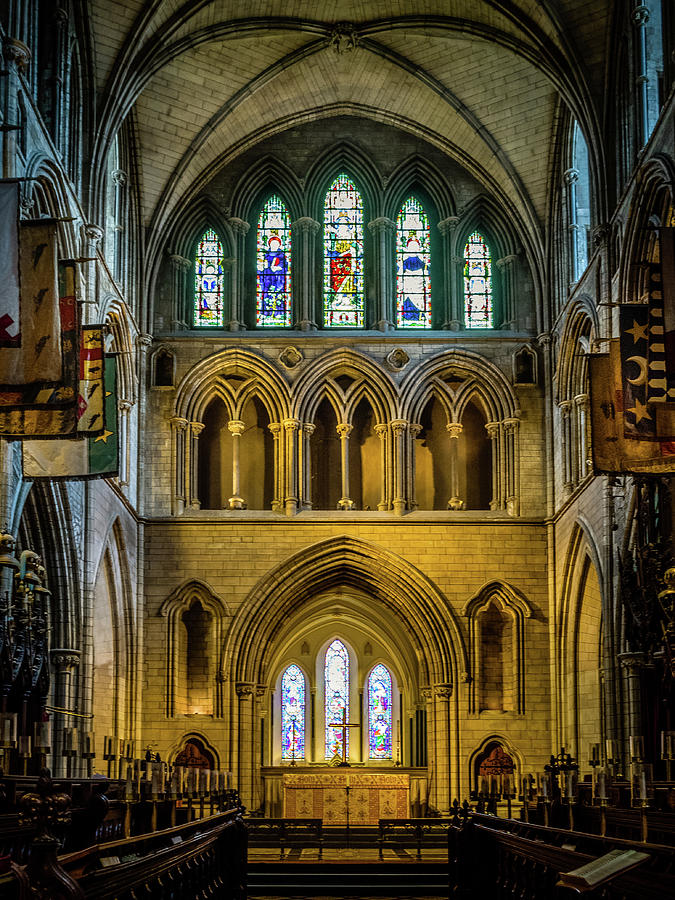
{"points": [[344, 725]]}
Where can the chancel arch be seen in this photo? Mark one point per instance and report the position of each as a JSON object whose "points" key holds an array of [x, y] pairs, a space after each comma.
{"points": [[396, 594]]}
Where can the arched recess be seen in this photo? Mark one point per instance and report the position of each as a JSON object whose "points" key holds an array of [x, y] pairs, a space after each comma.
{"points": [[494, 754], [114, 672], [471, 391], [579, 646], [197, 620], [571, 381], [496, 618], [394, 586], [363, 400], [194, 749], [241, 382]]}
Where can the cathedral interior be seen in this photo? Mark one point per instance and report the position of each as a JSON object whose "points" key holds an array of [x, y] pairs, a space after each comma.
{"points": [[351, 269]]}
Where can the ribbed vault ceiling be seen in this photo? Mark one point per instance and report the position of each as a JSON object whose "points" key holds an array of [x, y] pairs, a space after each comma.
{"points": [[479, 78]]}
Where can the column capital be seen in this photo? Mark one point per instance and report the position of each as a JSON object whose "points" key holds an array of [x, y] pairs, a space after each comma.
{"points": [[64, 658], [178, 423], [398, 426], [275, 428], [640, 16], [309, 428], [144, 340], [344, 429], [414, 428], [124, 406], [633, 662], [239, 226], [196, 428], [16, 52], [492, 429], [180, 263], [119, 177], [581, 400], [507, 261], [454, 429], [447, 226], [565, 407], [93, 232], [291, 424], [306, 225], [443, 691], [245, 689], [511, 424], [571, 175], [236, 426], [381, 225], [545, 339]]}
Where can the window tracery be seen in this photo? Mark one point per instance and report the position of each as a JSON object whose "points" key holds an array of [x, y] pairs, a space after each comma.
{"points": [[208, 307], [273, 278], [336, 681], [413, 266], [478, 312]]}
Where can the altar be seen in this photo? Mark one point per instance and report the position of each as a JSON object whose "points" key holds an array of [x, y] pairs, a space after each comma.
{"points": [[342, 795]]}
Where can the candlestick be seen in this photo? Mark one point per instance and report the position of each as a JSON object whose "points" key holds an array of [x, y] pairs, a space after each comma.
{"points": [[88, 745], [594, 754], [637, 748], [41, 736], [24, 745], [7, 730]]}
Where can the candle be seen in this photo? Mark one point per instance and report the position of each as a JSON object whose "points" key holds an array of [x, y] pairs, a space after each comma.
{"points": [[137, 776], [107, 747], [8, 729], [128, 750], [70, 741], [41, 736], [637, 748], [602, 785], [222, 780], [506, 785], [203, 780], [213, 787], [24, 745], [610, 749], [129, 784], [484, 787], [190, 780], [157, 778], [594, 754], [643, 784], [88, 744]]}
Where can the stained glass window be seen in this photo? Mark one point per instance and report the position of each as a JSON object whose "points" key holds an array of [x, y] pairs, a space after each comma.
{"points": [[336, 682], [293, 713], [273, 283], [209, 280], [477, 283], [413, 262], [379, 713], [343, 255]]}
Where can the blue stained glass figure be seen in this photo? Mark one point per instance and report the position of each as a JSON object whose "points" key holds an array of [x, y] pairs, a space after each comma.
{"points": [[413, 264], [343, 255], [274, 265], [477, 283], [293, 713], [379, 713], [208, 309], [336, 685]]}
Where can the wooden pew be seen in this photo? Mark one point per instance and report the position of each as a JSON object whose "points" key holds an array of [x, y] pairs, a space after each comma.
{"points": [[285, 832], [417, 828]]}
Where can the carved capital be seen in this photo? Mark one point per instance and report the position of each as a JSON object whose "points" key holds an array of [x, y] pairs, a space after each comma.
{"points": [[119, 177], [565, 407], [581, 401], [94, 233], [382, 225], [291, 424], [443, 691], [245, 689], [180, 263], [16, 52], [236, 426], [507, 261], [640, 16], [275, 428], [144, 341], [381, 430], [125, 406], [306, 225], [447, 226], [178, 423], [239, 226], [398, 426], [571, 176], [545, 339], [414, 429], [309, 428], [454, 429], [196, 428], [344, 429], [511, 425], [599, 235], [64, 659], [492, 429]]}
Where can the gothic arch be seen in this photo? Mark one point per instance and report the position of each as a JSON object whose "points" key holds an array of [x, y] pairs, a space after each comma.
{"points": [[411, 174], [178, 745], [481, 749], [355, 163], [267, 176], [513, 602]]}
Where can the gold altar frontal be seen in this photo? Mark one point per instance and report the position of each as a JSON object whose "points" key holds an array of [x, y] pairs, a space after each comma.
{"points": [[336, 795]]}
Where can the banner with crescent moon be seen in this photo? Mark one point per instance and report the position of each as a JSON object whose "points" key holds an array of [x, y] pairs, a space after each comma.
{"points": [[638, 419]]}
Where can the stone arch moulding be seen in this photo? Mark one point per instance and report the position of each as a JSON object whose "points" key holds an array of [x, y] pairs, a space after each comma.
{"points": [[172, 609], [388, 579], [208, 380], [512, 602], [457, 376], [178, 745], [505, 743]]}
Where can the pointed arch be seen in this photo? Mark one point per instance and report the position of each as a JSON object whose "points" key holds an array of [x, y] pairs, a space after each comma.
{"points": [[343, 275], [413, 174], [336, 697], [379, 698], [273, 269], [413, 266], [293, 712], [209, 270], [478, 286], [266, 176]]}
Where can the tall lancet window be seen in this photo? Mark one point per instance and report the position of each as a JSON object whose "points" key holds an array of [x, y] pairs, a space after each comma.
{"points": [[379, 713], [413, 264], [343, 255], [293, 713], [209, 280], [274, 265], [477, 283], [336, 685]]}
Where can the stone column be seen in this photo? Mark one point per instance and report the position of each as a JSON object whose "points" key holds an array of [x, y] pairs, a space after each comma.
{"points": [[432, 750], [196, 429], [304, 233], [178, 464], [492, 429], [633, 664], [305, 465], [344, 431], [124, 407], [93, 236], [454, 430], [61, 79], [565, 408], [275, 428], [236, 428], [453, 318], [245, 741], [507, 265], [581, 410], [65, 662], [383, 231], [442, 696], [291, 427], [511, 464], [399, 428], [413, 430], [640, 17], [180, 315], [381, 430], [571, 177], [237, 318], [260, 709]]}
